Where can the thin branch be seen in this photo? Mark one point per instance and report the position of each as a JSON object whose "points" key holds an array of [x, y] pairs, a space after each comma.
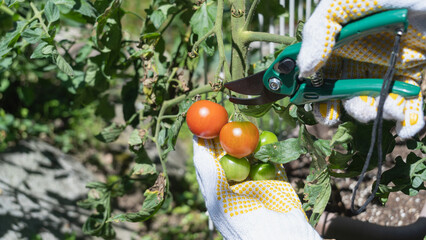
{"points": [[37, 14], [250, 14], [203, 38], [164, 107], [219, 37], [249, 36]]}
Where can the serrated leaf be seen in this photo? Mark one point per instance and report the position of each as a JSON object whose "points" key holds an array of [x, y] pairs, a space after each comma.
{"points": [[110, 133], [134, 138], [38, 51], [339, 160], [64, 66], [12, 37], [202, 21], [32, 36], [97, 185], [154, 198], [299, 30], [157, 18], [417, 182], [84, 53], [64, 6], [305, 117], [343, 134], [256, 111], [85, 8], [51, 11], [281, 152], [143, 169], [317, 192], [322, 148]]}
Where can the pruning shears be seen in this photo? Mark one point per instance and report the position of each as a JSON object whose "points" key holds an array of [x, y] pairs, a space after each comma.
{"points": [[281, 78]]}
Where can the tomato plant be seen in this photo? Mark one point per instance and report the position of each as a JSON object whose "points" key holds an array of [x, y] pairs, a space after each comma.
{"points": [[55, 85], [236, 169], [239, 139], [205, 119], [262, 171]]}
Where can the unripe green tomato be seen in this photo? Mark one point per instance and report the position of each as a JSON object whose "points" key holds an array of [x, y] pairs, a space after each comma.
{"points": [[266, 137], [262, 171], [236, 169]]}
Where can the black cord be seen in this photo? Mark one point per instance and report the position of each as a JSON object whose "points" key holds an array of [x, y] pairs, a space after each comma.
{"points": [[378, 129]]}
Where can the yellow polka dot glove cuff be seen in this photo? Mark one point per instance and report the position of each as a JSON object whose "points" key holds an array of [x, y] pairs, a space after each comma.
{"points": [[268, 209], [367, 57]]}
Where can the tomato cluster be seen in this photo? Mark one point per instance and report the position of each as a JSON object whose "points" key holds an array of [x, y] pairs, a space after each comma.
{"points": [[240, 140]]}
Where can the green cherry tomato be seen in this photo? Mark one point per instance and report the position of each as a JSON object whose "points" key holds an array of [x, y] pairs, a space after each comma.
{"points": [[236, 169], [262, 171], [266, 137]]}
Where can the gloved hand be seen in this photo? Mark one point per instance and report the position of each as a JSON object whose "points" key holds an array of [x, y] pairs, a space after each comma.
{"points": [[366, 57], [267, 209]]}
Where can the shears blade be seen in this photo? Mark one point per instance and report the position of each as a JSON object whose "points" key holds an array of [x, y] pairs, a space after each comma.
{"points": [[252, 85]]}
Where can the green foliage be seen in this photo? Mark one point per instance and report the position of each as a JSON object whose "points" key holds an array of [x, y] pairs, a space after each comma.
{"points": [[66, 64]]}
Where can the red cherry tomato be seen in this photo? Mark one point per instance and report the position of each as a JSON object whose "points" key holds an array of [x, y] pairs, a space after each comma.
{"points": [[239, 139], [205, 119]]}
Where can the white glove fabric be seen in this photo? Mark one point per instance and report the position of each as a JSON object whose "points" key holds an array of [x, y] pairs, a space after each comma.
{"points": [[366, 58], [257, 210]]}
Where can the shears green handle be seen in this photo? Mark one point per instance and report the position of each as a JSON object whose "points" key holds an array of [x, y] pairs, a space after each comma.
{"points": [[305, 92], [342, 89]]}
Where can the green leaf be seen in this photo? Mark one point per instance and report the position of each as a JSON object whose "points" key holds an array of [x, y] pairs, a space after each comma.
{"points": [[32, 36], [144, 165], [299, 30], [417, 182], [281, 152], [38, 51], [134, 138], [143, 169], [305, 117], [12, 37], [157, 18], [322, 148], [51, 11], [84, 53], [256, 111], [344, 133], [85, 8], [64, 66], [110, 133], [154, 199], [202, 21], [64, 6], [339, 160], [317, 192]]}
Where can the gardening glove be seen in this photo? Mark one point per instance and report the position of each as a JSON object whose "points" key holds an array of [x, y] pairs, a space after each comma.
{"points": [[267, 209], [367, 57]]}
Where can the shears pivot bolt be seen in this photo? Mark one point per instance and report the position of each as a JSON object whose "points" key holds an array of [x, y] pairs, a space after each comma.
{"points": [[274, 84]]}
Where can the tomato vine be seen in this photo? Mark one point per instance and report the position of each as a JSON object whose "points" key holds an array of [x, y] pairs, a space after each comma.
{"points": [[159, 70]]}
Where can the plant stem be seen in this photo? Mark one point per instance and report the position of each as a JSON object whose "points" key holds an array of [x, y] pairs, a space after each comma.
{"points": [[250, 14], [239, 48], [249, 36], [221, 48], [6, 10], [37, 14], [164, 107], [203, 38]]}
